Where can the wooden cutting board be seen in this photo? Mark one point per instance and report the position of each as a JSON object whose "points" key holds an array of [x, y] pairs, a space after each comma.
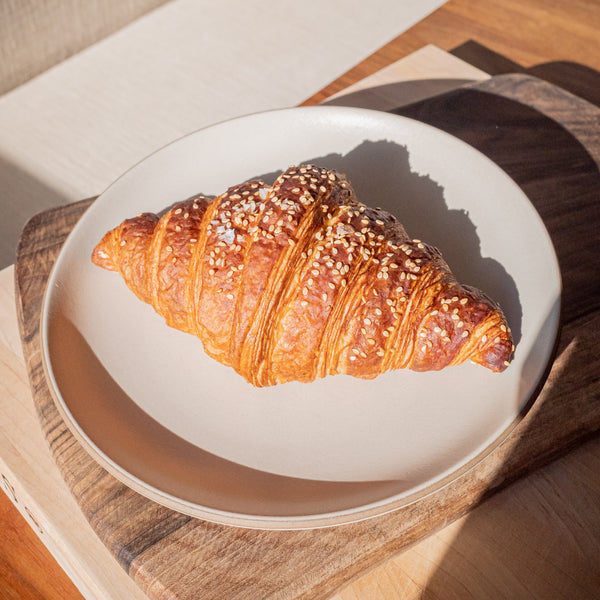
{"points": [[549, 142]]}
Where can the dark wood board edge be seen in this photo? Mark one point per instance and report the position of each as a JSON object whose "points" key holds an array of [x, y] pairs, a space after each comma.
{"points": [[578, 79]]}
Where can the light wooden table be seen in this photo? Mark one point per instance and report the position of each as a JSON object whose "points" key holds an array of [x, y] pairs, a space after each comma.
{"points": [[537, 539]]}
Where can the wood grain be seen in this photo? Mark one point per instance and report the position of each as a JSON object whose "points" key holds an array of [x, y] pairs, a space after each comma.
{"points": [[170, 555], [23, 558], [528, 33]]}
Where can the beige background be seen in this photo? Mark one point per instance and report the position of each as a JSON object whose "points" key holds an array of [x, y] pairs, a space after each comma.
{"points": [[70, 131]]}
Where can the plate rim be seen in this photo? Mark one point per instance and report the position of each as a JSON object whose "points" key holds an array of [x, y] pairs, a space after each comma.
{"points": [[293, 522]]}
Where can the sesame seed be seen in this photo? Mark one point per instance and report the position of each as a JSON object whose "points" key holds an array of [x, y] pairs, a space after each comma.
{"points": [[386, 333], [506, 363], [230, 296], [353, 358], [331, 285], [464, 300], [367, 321], [122, 242], [465, 334], [484, 338], [324, 296], [169, 249], [502, 327], [305, 291], [178, 211], [303, 303], [355, 351]]}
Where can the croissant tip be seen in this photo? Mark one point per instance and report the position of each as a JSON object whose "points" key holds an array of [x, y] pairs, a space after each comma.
{"points": [[102, 258], [498, 356]]}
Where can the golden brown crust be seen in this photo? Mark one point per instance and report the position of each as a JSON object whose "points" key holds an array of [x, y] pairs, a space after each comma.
{"points": [[299, 280]]}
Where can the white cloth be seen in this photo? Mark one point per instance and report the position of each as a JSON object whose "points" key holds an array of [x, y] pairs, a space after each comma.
{"points": [[71, 131]]}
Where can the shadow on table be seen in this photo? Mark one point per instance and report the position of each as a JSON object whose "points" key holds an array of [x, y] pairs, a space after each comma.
{"points": [[22, 195]]}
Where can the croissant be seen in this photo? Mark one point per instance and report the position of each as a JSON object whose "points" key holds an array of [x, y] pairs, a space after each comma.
{"points": [[300, 280]]}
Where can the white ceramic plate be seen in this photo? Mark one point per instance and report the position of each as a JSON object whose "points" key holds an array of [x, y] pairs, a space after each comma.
{"points": [[182, 429]]}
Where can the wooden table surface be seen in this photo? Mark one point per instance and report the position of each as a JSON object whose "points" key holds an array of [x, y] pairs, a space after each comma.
{"points": [[528, 32]]}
